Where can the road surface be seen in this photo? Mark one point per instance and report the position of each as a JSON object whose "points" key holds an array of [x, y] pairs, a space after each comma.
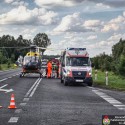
{"points": [[42, 101]]}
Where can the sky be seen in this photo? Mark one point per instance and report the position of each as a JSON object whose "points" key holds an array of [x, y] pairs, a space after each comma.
{"points": [[92, 24]]}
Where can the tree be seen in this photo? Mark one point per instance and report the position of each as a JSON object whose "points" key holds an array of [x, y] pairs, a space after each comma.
{"points": [[118, 52], [42, 40], [121, 65]]}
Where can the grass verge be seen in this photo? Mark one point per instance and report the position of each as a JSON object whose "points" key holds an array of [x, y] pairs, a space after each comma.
{"points": [[114, 81], [6, 67]]}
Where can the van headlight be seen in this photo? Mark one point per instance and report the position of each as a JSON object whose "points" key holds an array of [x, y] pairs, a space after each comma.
{"points": [[69, 73], [90, 73]]}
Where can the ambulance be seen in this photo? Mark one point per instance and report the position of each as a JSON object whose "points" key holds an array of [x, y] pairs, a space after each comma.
{"points": [[75, 66]]}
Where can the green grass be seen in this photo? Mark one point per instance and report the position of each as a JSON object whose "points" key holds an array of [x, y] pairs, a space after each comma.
{"points": [[5, 67], [114, 81]]}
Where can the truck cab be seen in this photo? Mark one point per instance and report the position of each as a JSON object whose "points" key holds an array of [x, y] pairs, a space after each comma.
{"points": [[75, 66]]}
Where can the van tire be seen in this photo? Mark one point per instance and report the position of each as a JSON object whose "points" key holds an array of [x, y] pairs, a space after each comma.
{"points": [[65, 82], [61, 80], [89, 84]]}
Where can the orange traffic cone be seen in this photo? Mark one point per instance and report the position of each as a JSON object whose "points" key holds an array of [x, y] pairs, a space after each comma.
{"points": [[12, 103]]}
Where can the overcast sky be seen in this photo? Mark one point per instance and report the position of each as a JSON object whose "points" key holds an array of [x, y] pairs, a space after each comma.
{"points": [[93, 24]]}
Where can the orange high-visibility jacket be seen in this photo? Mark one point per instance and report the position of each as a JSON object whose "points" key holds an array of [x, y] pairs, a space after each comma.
{"points": [[49, 67]]}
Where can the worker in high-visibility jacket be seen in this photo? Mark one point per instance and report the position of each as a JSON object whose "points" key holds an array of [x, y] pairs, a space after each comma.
{"points": [[49, 69]]}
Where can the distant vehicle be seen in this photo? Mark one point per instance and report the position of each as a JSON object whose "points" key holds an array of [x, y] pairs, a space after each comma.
{"points": [[44, 67], [75, 66], [44, 63]]}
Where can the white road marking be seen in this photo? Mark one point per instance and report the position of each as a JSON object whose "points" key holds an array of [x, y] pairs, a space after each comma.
{"points": [[3, 79], [3, 86], [22, 104], [26, 99], [8, 78], [119, 105], [35, 88], [121, 108], [5, 90], [31, 92], [13, 120], [18, 111], [31, 88]]}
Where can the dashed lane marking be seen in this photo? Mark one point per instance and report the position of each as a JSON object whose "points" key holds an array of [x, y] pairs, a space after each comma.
{"points": [[18, 111], [26, 99], [22, 104], [13, 120], [3, 79], [8, 78], [119, 105]]}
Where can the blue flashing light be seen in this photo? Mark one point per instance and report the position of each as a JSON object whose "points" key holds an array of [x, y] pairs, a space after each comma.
{"points": [[76, 48]]}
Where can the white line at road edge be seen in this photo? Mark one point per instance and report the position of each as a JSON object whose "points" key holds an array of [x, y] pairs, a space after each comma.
{"points": [[31, 88], [109, 99], [3, 79]]}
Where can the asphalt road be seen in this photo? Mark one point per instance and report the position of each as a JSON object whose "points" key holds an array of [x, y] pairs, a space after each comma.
{"points": [[42, 101]]}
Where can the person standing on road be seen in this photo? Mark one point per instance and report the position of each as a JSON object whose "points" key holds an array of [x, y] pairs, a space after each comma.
{"points": [[49, 67]]}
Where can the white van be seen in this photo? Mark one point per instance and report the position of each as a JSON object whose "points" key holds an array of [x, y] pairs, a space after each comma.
{"points": [[75, 66]]}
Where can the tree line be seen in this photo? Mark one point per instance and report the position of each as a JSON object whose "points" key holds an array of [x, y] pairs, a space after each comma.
{"points": [[12, 54], [114, 62]]}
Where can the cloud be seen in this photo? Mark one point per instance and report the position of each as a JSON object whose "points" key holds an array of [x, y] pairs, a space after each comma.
{"points": [[101, 5], [9, 1], [92, 23], [92, 37], [110, 27], [116, 37], [16, 2], [111, 3], [114, 24], [71, 23], [119, 19], [53, 3], [21, 15], [115, 3]]}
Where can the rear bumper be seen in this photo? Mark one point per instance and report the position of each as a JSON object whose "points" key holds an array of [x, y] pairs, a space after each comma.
{"points": [[31, 71]]}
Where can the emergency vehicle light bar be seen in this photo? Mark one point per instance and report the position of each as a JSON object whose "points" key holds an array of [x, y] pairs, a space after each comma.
{"points": [[76, 48]]}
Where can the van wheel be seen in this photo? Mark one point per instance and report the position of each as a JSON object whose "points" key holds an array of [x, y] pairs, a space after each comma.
{"points": [[90, 84], [65, 82], [20, 75]]}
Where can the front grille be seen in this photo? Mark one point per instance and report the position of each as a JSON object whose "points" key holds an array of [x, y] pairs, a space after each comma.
{"points": [[79, 74]]}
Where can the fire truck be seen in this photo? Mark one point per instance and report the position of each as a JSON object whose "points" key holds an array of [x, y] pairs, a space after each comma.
{"points": [[75, 66]]}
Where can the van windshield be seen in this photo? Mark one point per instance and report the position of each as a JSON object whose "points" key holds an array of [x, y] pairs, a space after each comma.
{"points": [[77, 61]]}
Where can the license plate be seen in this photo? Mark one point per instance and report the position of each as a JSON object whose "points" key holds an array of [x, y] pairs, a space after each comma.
{"points": [[79, 80]]}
